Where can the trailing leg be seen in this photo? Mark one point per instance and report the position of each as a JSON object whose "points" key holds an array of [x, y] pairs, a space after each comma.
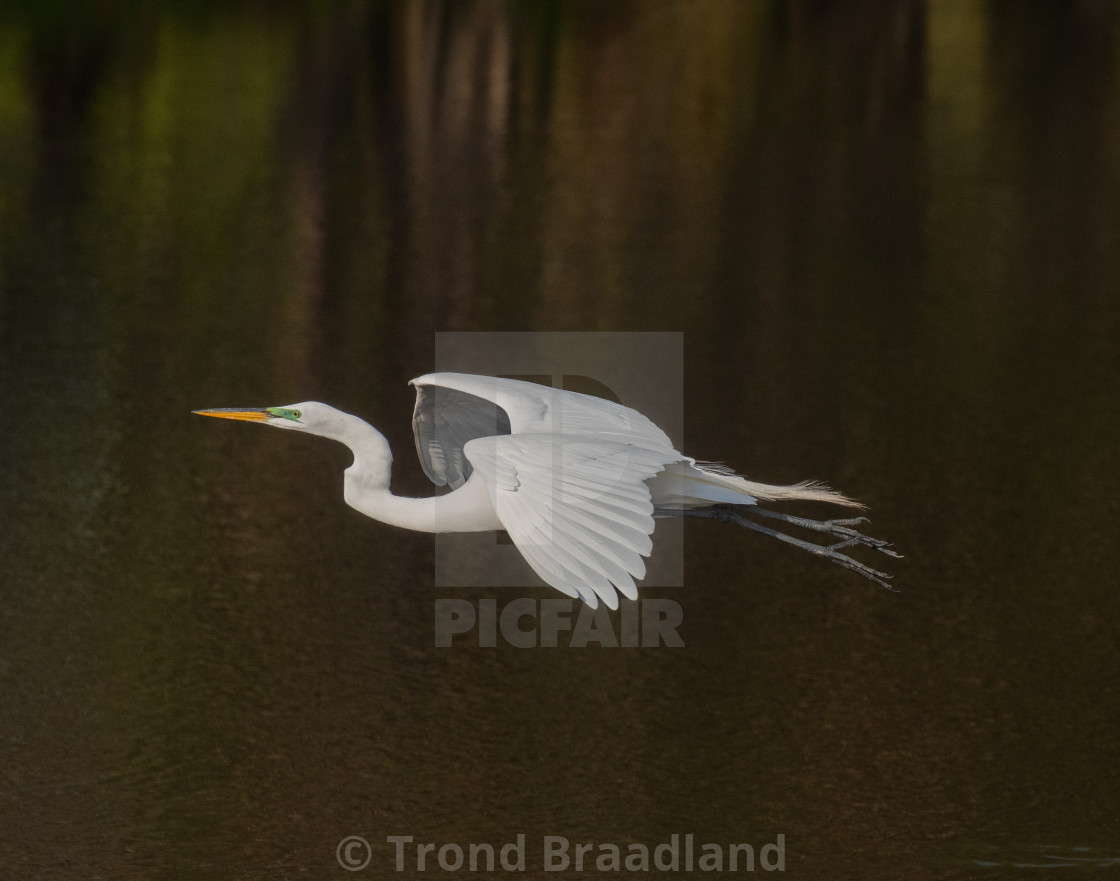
{"points": [[837, 528]]}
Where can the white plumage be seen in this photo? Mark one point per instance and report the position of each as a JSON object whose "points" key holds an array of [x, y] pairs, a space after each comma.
{"points": [[575, 480]]}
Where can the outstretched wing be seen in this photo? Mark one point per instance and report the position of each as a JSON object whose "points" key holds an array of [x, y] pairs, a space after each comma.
{"points": [[577, 508], [455, 408]]}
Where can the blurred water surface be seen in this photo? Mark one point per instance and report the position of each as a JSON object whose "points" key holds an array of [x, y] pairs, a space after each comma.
{"points": [[888, 233]]}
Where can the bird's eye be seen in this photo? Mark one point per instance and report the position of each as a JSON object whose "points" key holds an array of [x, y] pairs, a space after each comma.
{"points": [[296, 414]]}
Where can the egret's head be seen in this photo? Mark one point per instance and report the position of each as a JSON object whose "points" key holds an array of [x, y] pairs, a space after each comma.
{"points": [[321, 419], [309, 416]]}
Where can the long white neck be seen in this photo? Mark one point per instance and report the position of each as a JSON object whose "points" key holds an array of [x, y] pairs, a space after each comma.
{"points": [[366, 487]]}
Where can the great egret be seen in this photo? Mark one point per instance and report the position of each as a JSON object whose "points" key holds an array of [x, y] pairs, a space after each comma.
{"points": [[575, 480]]}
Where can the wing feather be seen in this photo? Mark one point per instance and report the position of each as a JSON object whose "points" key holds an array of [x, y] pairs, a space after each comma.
{"points": [[578, 508], [443, 421], [530, 408]]}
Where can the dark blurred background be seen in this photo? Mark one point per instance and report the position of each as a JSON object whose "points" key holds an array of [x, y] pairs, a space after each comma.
{"points": [[887, 230]]}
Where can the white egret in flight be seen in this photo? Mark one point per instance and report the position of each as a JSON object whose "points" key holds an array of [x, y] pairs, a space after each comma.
{"points": [[575, 480]]}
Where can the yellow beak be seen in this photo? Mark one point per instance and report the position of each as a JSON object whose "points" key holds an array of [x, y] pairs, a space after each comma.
{"points": [[234, 413]]}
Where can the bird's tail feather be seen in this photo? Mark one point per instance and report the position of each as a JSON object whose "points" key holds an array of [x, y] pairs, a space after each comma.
{"points": [[699, 483]]}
